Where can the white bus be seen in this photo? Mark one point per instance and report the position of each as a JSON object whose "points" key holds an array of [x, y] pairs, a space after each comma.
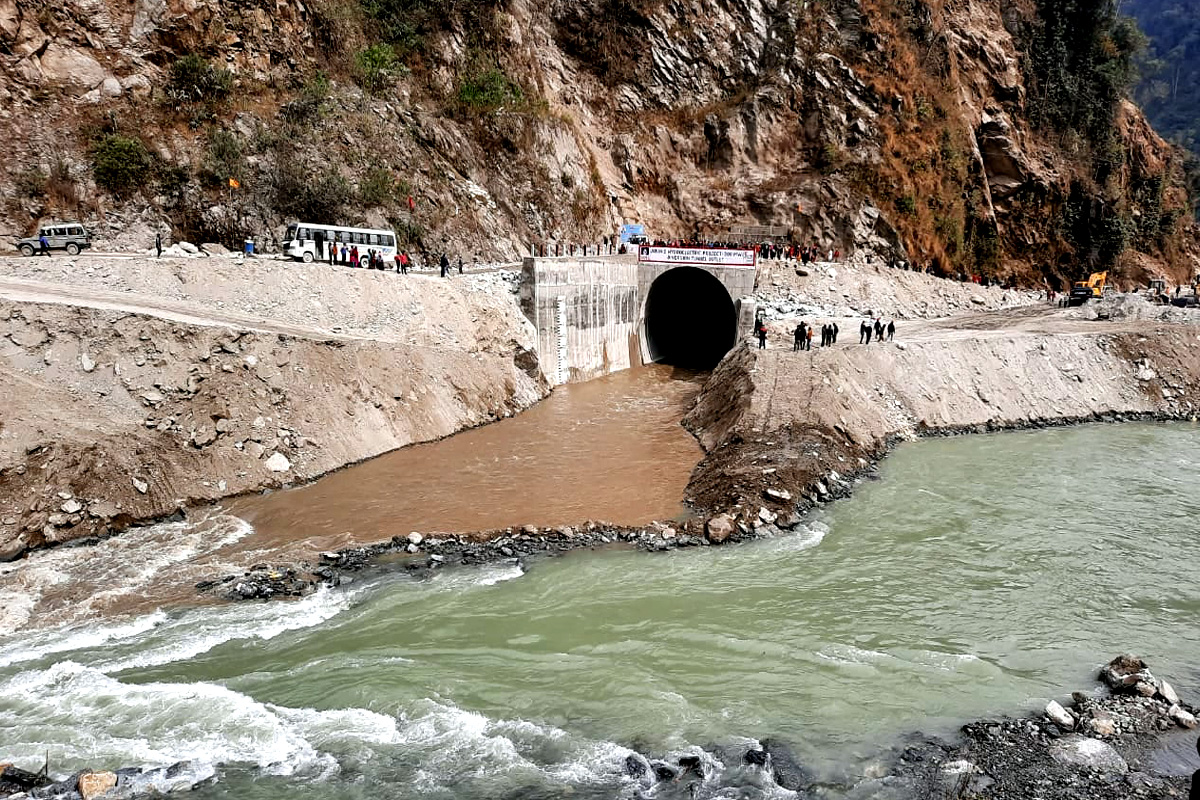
{"points": [[308, 242]]}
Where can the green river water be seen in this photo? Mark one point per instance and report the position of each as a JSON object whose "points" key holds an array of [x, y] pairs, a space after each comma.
{"points": [[976, 576]]}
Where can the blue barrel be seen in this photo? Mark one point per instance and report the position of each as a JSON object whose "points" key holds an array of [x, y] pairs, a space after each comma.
{"points": [[249, 246]]}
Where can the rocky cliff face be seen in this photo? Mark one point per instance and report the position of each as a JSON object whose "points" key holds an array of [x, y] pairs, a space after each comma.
{"points": [[875, 126]]}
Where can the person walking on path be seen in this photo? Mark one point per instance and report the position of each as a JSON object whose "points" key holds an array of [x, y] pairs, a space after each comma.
{"points": [[891, 330], [460, 265], [864, 332], [808, 340], [445, 265], [762, 337], [800, 336], [44, 244], [879, 330], [158, 245], [833, 332]]}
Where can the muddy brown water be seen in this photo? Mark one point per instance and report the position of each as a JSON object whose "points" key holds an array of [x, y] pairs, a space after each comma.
{"points": [[609, 450]]}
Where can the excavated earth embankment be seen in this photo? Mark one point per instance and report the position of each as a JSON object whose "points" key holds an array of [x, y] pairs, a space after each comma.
{"points": [[123, 406], [800, 425]]}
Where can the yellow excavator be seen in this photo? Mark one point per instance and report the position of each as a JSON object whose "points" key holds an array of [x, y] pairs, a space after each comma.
{"points": [[1091, 289]]}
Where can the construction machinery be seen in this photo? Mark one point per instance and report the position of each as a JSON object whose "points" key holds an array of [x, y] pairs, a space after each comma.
{"points": [[1091, 289], [1157, 293], [1188, 298]]}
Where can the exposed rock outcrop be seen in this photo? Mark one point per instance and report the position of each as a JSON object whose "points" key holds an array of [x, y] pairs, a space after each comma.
{"points": [[871, 125]]}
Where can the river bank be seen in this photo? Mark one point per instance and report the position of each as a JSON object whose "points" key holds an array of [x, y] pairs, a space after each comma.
{"points": [[923, 603], [804, 424], [182, 384]]}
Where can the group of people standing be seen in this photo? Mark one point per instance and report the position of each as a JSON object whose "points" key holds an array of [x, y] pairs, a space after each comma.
{"points": [[349, 255], [867, 328], [803, 334]]}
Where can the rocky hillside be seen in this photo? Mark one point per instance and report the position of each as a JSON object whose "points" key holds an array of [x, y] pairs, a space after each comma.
{"points": [[976, 136]]}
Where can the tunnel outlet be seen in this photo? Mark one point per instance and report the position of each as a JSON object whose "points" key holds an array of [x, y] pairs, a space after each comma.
{"points": [[691, 321]]}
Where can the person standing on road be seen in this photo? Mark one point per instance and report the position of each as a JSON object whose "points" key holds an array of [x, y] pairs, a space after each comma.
{"points": [[808, 340], [879, 329], [800, 337], [460, 265], [762, 337], [833, 331], [445, 265], [891, 330], [158, 245], [44, 244], [864, 332]]}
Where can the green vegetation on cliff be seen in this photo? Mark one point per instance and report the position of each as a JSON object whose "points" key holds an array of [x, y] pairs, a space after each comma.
{"points": [[1170, 87]]}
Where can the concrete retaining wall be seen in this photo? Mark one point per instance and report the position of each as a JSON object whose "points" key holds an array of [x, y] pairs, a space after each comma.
{"points": [[585, 311]]}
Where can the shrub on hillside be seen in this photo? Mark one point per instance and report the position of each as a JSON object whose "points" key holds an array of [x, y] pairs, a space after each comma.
{"points": [[31, 183], [316, 194], [194, 80], [379, 188], [120, 164], [223, 159], [487, 91], [376, 67], [311, 103]]}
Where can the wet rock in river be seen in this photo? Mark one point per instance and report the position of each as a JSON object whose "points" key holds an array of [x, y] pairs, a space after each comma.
{"points": [[756, 758], [692, 764], [1125, 672], [14, 780], [663, 771], [786, 769], [96, 784], [636, 766]]}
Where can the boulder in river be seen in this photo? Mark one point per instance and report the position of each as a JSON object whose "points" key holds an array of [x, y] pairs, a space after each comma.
{"points": [[786, 769], [14, 780], [662, 771], [720, 528], [96, 784], [1125, 672], [635, 766], [757, 758]]}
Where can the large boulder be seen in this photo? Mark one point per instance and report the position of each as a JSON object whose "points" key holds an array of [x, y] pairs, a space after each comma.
{"points": [[72, 69], [720, 528], [1084, 751], [96, 784]]}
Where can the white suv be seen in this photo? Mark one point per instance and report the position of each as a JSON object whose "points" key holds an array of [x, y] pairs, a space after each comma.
{"points": [[69, 236]]}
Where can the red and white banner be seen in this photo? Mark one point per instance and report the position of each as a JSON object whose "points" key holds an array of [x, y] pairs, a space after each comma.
{"points": [[697, 256]]}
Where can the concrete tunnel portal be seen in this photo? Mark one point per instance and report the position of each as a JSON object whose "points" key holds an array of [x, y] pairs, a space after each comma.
{"points": [[691, 320]]}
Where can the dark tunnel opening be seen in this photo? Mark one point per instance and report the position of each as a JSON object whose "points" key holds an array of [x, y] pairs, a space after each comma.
{"points": [[691, 320]]}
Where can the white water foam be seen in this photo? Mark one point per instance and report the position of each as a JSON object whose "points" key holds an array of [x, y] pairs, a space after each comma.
{"points": [[199, 631], [76, 637], [109, 571], [84, 712]]}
